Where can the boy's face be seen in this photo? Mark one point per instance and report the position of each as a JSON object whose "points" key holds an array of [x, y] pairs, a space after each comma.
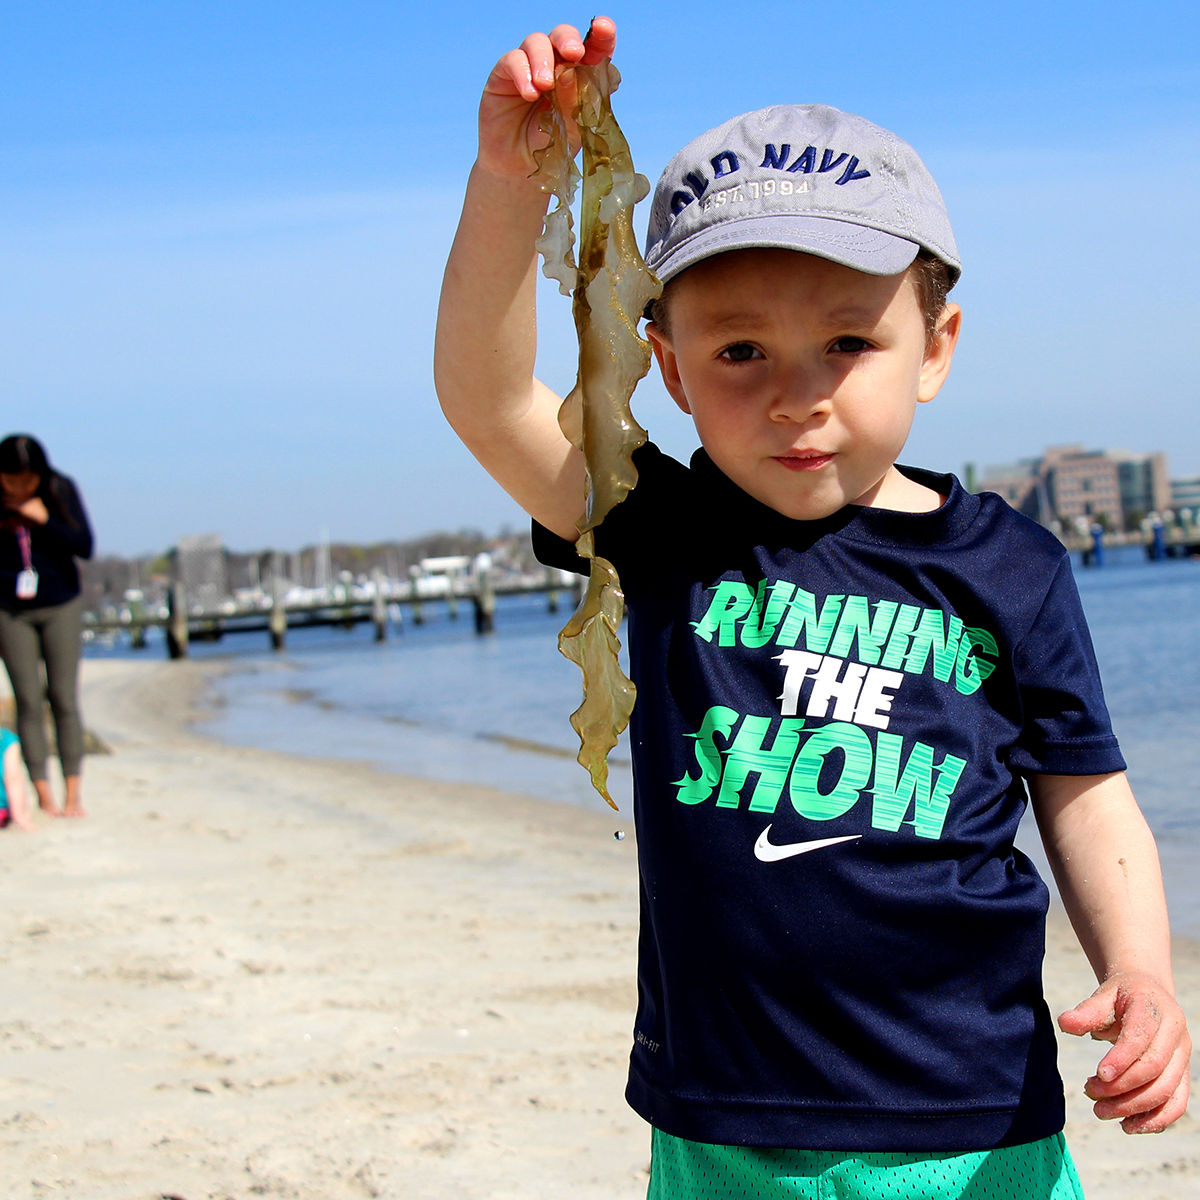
{"points": [[803, 376]]}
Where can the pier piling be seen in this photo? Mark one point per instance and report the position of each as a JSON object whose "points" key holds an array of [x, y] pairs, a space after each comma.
{"points": [[177, 620], [485, 596], [379, 614], [277, 621], [137, 627], [418, 610]]}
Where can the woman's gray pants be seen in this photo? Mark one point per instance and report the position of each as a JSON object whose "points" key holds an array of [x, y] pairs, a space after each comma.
{"points": [[26, 640]]}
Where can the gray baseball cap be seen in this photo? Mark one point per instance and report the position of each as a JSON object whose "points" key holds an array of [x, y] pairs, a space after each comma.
{"points": [[799, 177]]}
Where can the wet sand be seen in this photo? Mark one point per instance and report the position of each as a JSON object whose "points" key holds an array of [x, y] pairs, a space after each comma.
{"points": [[249, 974]]}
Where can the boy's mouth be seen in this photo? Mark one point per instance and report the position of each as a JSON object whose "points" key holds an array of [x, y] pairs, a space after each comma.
{"points": [[804, 460]]}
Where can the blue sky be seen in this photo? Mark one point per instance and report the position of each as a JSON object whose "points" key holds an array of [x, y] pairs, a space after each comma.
{"points": [[222, 229]]}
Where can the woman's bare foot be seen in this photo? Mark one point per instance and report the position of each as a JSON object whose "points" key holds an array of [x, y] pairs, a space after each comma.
{"points": [[72, 807], [46, 797]]}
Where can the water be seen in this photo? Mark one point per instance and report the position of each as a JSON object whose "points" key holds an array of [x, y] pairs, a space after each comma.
{"points": [[1145, 621], [434, 700], [439, 702]]}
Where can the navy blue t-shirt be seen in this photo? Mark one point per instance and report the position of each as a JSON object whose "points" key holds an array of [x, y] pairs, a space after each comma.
{"points": [[840, 947]]}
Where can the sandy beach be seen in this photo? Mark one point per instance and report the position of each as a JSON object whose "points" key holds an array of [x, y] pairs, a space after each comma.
{"points": [[249, 974]]}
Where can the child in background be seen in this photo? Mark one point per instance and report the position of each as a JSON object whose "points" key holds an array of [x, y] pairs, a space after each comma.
{"points": [[14, 799], [852, 678]]}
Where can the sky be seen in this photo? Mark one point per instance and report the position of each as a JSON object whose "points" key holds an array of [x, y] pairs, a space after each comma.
{"points": [[223, 226]]}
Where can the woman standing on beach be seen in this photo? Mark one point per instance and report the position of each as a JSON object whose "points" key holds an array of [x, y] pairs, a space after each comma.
{"points": [[43, 529]]}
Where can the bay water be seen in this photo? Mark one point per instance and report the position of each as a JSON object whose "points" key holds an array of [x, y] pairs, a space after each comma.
{"points": [[438, 701]]}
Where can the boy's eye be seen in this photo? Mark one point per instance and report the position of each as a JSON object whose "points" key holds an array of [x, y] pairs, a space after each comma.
{"points": [[851, 345], [740, 352]]}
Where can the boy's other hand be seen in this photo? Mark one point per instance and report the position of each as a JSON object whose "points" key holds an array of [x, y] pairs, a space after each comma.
{"points": [[518, 85], [1143, 1080]]}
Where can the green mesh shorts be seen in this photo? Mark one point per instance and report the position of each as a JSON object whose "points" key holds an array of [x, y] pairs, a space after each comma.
{"points": [[681, 1170]]}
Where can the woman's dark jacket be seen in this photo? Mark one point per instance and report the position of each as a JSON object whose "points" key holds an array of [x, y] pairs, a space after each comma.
{"points": [[67, 535]]}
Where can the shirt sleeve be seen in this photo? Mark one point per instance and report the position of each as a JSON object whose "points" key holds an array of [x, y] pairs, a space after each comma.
{"points": [[1066, 728], [631, 535]]}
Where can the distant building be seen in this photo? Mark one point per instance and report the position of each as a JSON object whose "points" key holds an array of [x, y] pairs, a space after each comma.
{"points": [[1114, 488], [1020, 483], [201, 563], [1083, 483], [1185, 493], [1145, 483]]}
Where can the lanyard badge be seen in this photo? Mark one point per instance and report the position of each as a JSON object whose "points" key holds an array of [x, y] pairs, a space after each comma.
{"points": [[27, 580]]}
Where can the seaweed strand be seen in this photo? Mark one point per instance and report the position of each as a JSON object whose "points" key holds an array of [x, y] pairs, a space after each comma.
{"points": [[611, 287]]}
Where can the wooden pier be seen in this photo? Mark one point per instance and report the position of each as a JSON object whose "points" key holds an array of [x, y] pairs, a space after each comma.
{"points": [[1159, 543], [275, 616], [347, 605]]}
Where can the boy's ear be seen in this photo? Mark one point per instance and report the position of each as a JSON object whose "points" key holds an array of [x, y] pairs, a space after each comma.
{"points": [[667, 365], [939, 353]]}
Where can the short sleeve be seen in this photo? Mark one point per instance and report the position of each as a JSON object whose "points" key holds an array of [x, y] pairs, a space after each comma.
{"points": [[631, 537], [1065, 724]]}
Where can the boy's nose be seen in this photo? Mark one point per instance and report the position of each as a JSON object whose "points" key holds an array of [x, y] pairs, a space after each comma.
{"points": [[798, 398]]}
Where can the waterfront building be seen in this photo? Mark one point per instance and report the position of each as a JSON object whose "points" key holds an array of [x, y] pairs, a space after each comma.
{"points": [[201, 564], [1069, 484], [1020, 483], [1185, 493]]}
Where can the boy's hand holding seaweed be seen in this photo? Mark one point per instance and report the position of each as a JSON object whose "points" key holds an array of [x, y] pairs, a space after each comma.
{"points": [[517, 88], [487, 325]]}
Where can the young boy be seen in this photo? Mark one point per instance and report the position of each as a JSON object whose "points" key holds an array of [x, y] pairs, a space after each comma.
{"points": [[848, 675]]}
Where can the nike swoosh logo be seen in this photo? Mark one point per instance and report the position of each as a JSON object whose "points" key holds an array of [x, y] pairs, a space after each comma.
{"points": [[766, 851]]}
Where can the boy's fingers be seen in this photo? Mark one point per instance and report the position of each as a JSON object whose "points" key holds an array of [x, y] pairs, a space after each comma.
{"points": [[1170, 1040], [513, 74], [530, 70], [601, 40], [567, 43], [1095, 1015], [539, 50], [1142, 1017], [1156, 1120], [1148, 1096]]}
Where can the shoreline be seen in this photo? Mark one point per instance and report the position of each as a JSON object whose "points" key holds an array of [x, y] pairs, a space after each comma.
{"points": [[255, 973], [408, 724]]}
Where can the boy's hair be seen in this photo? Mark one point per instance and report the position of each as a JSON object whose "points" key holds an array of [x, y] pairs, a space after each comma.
{"points": [[931, 280]]}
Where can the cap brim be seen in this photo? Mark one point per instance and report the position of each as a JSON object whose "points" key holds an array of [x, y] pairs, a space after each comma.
{"points": [[854, 246]]}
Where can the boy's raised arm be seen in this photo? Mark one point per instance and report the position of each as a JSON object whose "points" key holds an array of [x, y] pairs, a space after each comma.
{"points": [[487, 324], [1106, 865]]}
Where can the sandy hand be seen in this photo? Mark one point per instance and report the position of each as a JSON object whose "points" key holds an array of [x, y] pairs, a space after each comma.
{"points": [[1143, 1080]]}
